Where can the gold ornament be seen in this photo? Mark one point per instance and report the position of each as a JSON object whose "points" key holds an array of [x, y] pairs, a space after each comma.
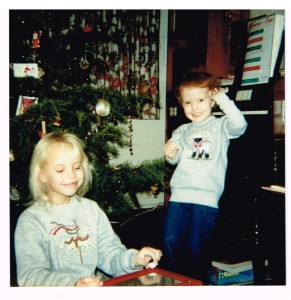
{"points": [[84, 65], [155, 190], [102, 107]]}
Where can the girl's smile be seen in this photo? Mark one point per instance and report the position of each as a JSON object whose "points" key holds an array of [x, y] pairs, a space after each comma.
{"points": [[63, 173]]}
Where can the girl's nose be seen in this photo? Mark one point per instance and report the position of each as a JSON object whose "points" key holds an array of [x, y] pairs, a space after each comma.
{"points": [[72, 173]]}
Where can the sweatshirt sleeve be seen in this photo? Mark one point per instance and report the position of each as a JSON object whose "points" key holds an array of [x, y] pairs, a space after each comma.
{"points": [[235, 124], [114, 258]]}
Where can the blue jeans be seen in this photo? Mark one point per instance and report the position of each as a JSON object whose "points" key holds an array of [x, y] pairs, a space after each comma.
{"points": [[188, 231]]}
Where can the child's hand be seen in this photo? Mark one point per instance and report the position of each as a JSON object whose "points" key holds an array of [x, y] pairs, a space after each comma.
{"points": [[217, 94], [147, 257], [89, 281], [170, 149], [217, 91]]}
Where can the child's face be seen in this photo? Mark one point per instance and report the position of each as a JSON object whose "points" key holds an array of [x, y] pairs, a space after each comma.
{"points": [[197, 103], [63, 173]]}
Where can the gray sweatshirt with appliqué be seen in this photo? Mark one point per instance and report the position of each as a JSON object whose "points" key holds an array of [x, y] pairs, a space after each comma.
{"points": [[56, 245], [199, 177]]}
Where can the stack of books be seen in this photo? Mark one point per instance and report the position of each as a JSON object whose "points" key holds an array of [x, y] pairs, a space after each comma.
{"points": [[228, 273]]}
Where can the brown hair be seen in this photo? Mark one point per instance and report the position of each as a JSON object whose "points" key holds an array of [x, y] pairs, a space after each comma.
{"points": [[196, 78]]}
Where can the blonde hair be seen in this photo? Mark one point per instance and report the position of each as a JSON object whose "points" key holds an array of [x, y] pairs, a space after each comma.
{"points": [[197, 78], [38, 189]]}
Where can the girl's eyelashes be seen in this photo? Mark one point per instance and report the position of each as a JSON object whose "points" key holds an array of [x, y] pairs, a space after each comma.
{"points": [[77, 167]]}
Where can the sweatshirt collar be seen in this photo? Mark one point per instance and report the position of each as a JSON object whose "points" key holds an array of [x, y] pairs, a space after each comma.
{"points": [[203, 123]]}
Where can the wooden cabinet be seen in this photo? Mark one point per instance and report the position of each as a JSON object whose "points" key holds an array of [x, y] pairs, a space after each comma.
{"points": [[270, 238], [226, 40], [279, 89], [213, 39], [279, 108]]}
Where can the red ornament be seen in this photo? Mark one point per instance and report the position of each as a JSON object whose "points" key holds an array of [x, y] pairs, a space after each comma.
{"points": [[35, 39], [88, 28]]}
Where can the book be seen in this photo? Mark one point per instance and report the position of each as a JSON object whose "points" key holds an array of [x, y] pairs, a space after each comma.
{"points": [[233, 267], [221, 277], [23, 104], [228, 272], [263, 45], [275, 188]]}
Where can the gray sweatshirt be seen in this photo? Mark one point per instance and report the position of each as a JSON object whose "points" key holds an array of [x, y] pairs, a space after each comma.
{"points": [[56, 245], [201, 160]]}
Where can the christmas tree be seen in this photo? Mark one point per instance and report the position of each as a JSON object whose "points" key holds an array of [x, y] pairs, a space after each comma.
{"points": [[59, 82]]}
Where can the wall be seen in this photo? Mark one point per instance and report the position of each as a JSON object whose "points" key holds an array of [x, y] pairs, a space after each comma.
{"points": [[149, 135], [259, 12]]}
